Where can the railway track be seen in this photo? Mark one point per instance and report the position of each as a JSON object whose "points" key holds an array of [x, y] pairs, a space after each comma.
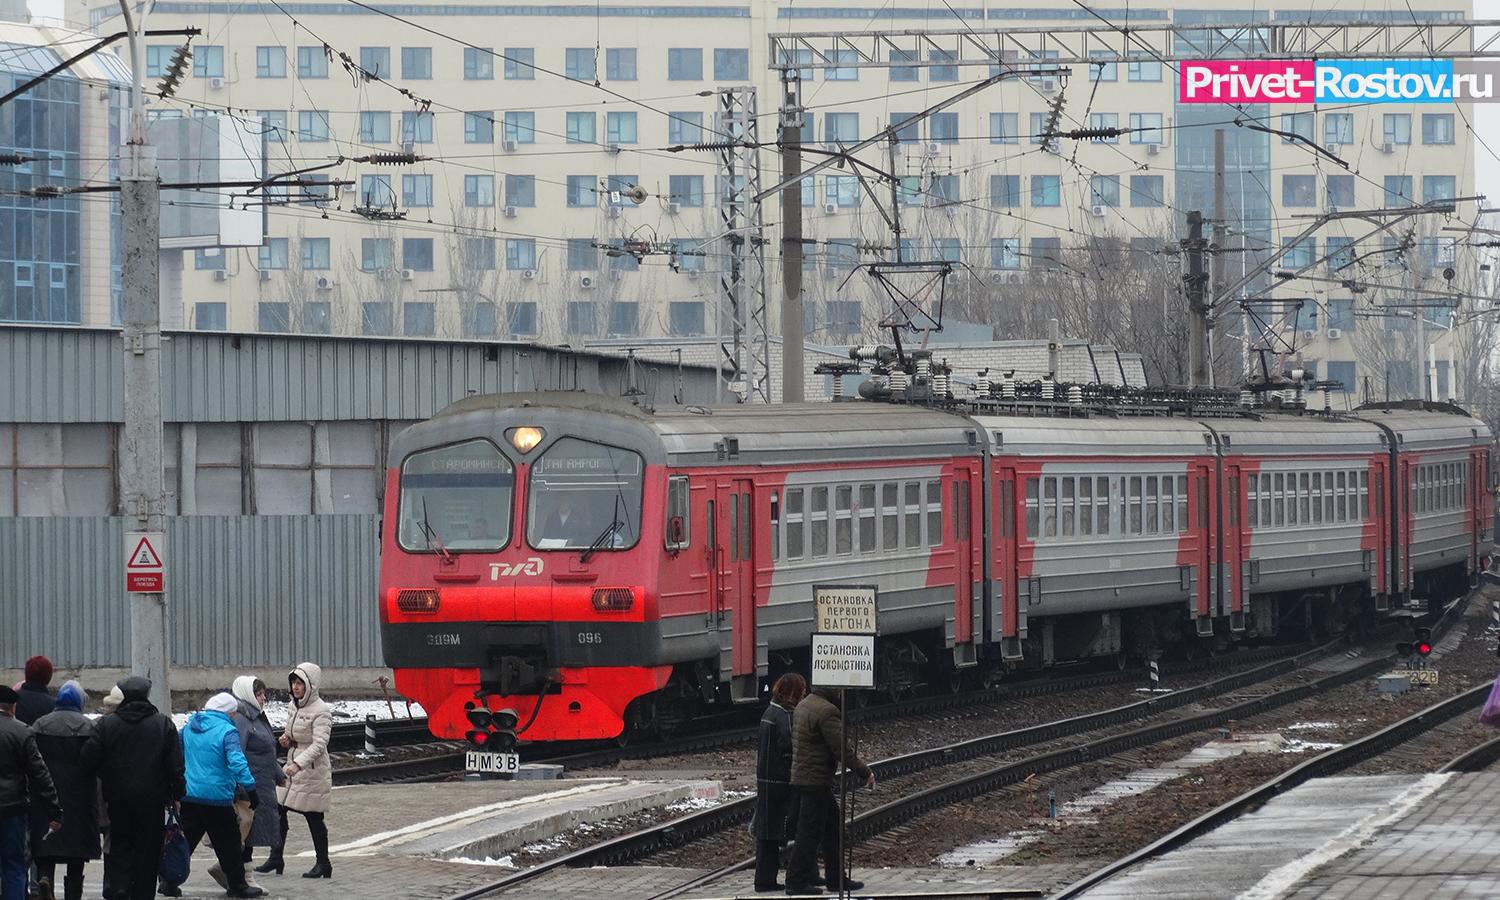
{"points": [[687, 829]]}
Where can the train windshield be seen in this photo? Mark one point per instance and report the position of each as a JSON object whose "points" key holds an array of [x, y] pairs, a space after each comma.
{"points": [[584, 496], [456, 498]]}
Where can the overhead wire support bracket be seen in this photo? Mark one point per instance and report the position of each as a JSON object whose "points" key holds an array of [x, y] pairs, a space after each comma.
{"points": [[92, 49]]}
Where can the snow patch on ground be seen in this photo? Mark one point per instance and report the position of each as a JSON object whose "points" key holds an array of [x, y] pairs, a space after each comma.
{"points": [[1297, 745], [1310, 726], [504, 862]]}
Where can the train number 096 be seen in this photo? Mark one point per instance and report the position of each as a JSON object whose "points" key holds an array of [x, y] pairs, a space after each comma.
{"points": [[590, 637]]}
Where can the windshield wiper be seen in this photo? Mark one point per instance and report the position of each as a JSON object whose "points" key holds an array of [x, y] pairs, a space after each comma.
{"points": [[604, 537], [433, 541]]}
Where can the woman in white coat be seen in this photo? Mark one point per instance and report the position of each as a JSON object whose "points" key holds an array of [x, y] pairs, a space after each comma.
{"points": [[309, 774]]}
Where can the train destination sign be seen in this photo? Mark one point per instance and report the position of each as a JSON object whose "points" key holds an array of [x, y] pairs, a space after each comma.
{"points": [[843, 660], [844, 609]]}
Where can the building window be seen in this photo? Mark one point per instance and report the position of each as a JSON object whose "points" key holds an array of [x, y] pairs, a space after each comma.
{"points": [[211, 316], [157, 60], [376, 61], [581, 318], [275, 318], [732, 64], [905, 134], [416, 63], [1005, 191], [479, 64], [947, 249], [622, 262], [685, 128], [944, 190], [1341, 191], [521, 316], [418, 320], [619, 64], [520, 254], [691, 254], [1299, 255], [270, 62], [1147, 191], [1107, 121], [1299, 123], [938, 74], [312, 62], [416, 127], [416, 254], [1437, 128], [1436, 188], [1038, 131], [1005, 253], [273, 254], [375, 191], [687, 190], [1103, 71], [578, 64], [1438, 251], [1045, 253], [520, 63], [1004, 128], [479, 190], [316, 254], [842, 73], [416, 190], [943, 127], [375, 128], [624, 319], [1344, 373], [1341, 314], [843, 319], [901, 73], [1398, 190], [581, 191], [520, 127], [1104, 190], [484, 320], [685, 317], [841, 127], [684, 64], [208, 259], [1340, 253], [312, 125], [583, 256], [582, 128], [479, 127], [374, 254], [1145, 128], [375, 318], [1142, 68], [520, 190], [1397, 128], [208, 61], [1338, 128], [1046, 190], [276, 127], [619, 128], [841, 191], [1299, 190]]}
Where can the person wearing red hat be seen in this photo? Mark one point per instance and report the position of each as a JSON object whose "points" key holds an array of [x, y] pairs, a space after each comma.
{"points": [[36, 699]]}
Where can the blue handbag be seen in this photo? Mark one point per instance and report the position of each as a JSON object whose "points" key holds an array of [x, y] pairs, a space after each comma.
{"points": [[176, 859]]}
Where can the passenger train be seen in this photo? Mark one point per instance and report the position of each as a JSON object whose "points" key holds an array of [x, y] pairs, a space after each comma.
{"points": [[603, 569]]}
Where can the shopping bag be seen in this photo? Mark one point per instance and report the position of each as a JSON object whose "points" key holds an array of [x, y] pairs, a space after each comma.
{"points": [[175, 856], [1490, 715], [245, 816]]}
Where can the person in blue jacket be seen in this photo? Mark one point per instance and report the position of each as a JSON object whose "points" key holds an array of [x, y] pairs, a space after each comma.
{"points": [[216, 771]]}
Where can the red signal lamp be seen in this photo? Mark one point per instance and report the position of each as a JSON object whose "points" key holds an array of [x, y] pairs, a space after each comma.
{"points": [[1423, 648]]}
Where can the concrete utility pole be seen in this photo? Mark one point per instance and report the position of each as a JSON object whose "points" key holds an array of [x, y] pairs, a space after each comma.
{"points": [[1195, 281], [1221, 245], [142, 495], [792, 374]]}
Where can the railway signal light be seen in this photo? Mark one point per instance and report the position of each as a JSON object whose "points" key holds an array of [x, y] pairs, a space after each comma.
{"points": [[491, 730], [1424, 641], [1405, 648]]}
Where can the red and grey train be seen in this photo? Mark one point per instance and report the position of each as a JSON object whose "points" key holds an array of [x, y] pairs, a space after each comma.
{"points": [[600, 568]]}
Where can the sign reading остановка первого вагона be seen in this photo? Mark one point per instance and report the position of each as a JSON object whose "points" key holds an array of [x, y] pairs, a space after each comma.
{"points": [[1337, 81]]}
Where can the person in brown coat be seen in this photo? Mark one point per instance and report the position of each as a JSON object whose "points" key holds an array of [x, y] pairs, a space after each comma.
{"points": [[817, 742]]}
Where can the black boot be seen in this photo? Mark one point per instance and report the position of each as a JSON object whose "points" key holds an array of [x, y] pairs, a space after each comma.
{"points": [[323, 869], [247, 853], [73, 887], [273, 863]]}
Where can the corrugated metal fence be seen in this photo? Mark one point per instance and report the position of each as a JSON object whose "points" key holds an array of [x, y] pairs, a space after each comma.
{"points": [[244, 590]]}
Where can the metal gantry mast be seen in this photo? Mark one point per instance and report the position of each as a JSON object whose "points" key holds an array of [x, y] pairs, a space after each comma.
{"points": [[746, 366]]}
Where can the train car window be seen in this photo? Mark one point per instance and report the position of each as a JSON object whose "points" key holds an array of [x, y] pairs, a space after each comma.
{"points": [[1168, 505], [1103, 502], [1086, 506], [1291, 498], [890, 517], [1304, 497], [1343, 497], [456, 498], [1049, 507], [794, 523], [734, 528], [1364, 496], [1033, 508], [1265, 501], [1279, 499], [1153, 522], [1069, 506], [679, 525], [867, 513], [775, 526], [1315, 498], [1135, 505], [745, 529], [934, 513], [912, 510], [843, 520], [583, 495], [819, 514], [1252, 499]]}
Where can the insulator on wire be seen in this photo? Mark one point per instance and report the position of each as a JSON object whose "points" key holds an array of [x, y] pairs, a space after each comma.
{"points": [[176, 68]]}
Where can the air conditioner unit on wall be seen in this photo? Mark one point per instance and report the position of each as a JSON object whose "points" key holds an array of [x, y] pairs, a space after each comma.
{"points": [[221, 275], [1048, 85], [216, 84], [934, 149], [612, 211], [1388, 148], [325, 283], [830, 209], [407, 274], [508, 146], [1309, 333], [265, 274], [1153, 149], [510, 212], [586, 281], [1097, 209], [529, 274], [673, 209], [1335, 333]]}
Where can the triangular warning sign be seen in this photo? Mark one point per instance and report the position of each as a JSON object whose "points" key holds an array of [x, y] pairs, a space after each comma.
{"points": [[144, 556]]}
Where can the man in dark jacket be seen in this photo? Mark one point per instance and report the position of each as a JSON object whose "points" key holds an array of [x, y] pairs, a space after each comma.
{"points": [[23, 781], [138, 758], [817, 742], [36, 699], [60, 736]]}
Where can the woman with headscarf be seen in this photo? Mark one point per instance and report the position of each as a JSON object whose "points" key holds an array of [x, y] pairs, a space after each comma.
{"points": [[774, 800], [60, 736], [309, 786], [259, 743]]}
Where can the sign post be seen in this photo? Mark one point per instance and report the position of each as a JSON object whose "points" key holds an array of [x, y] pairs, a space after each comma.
{"points": [[843, 656]]}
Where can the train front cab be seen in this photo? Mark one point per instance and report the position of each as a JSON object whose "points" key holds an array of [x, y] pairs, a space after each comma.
{"points": [[518, 567]]}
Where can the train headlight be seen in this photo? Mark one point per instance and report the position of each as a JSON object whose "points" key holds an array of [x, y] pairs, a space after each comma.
{"points": [[613, 599], [418, 601], [526, 437]]}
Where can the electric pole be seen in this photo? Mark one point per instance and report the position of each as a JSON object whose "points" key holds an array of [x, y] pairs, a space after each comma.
{"points": [[141, 482], [1195, 282], [1221, 242], [791, 239]]}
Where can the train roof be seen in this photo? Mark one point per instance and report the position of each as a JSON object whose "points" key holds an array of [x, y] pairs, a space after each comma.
{"points": [[1297, 434], [1427, 426], [1058, 436]]}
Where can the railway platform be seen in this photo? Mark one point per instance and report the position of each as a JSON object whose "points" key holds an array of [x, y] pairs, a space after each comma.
{"points": [[1373, 837]]}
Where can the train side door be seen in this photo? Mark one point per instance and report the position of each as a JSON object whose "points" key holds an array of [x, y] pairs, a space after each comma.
{"points": [[1402, 514], [1202, 522], [733, 579], [963, 550], [1004, 622], [1381, 512], [1236, 568]]}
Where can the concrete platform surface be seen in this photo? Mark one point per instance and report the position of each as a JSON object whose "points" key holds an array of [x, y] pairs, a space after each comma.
{"points": [[1374, 838]]}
